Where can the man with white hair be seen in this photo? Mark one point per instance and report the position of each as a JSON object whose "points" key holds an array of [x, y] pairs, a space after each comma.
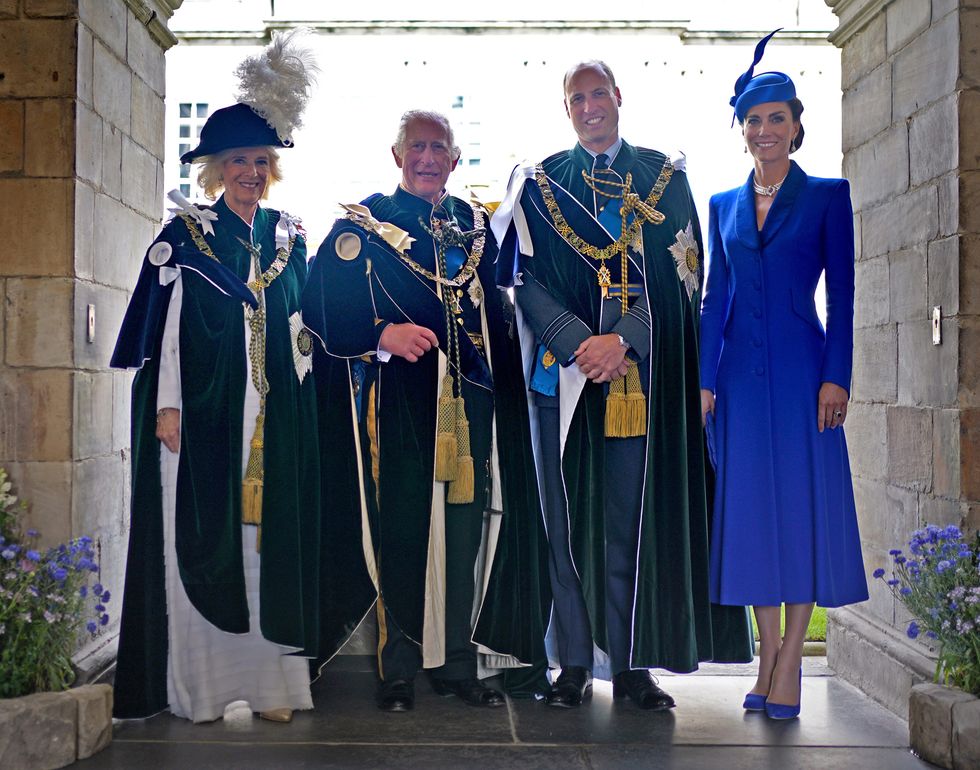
{"points": [[403, 299]]}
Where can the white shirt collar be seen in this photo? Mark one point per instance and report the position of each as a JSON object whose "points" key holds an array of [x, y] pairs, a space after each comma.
{"points": [[611, 151]]}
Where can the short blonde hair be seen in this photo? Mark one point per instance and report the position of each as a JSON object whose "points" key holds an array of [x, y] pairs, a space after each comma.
{"points": [[209, 176]]}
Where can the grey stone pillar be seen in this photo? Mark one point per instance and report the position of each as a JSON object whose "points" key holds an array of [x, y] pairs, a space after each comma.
{"points": [[81, 116], [911, 142]]}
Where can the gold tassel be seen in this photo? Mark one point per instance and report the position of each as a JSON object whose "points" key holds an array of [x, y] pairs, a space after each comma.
{"points": [[636, 403], [461, 488], [446, 444], [616, 409], [252, 483]]}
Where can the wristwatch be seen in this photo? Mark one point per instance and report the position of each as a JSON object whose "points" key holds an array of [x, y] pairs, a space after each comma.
{"points": [[623, 342]]}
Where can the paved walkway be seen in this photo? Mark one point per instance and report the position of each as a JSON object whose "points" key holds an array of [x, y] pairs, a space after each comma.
{"points": [[840, 729]]}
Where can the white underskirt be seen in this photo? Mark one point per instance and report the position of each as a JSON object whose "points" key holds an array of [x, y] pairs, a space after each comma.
{"points": [[208, 669]]}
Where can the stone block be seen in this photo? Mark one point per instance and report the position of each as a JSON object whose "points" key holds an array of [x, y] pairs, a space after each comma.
{"points": [[866, 440], [909, 447], [904, 19], [49, 8], [886, 514], [867, 107], [8, 9], [969, 201], [969, 361], [934, 147], [88, 145], [148, 118], [969, 130], [908, 289], [49, 149], [38, 329], [941, 7], [902, 515], [945, 453], [145, 56], [107, 20], [122, 387], [863, 52], [85, 63], [966, 735], [12, 131], [943, 259], [48, 206], [969, 32], [38, 731], [970, 454], [36, 414], [98, 490], [92, 426], [875, 376], [924, 70], [110, 306], [94, 718], [931, 721], [111, 87], [139, 179], [84, 231], [46, 486], [121, 239], [112, 138], [940, 511], [948, 188], [901, 222], [38, 58], [878, 170]]}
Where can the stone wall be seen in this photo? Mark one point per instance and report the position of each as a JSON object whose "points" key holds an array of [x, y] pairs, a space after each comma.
{"points": [[81, 177], [911, 143]]}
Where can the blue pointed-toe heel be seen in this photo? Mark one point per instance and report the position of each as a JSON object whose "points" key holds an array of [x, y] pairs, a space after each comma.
{"points": [[783, 710], [754, 702]]}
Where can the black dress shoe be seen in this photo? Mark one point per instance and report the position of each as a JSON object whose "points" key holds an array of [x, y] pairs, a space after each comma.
{"points": [[642, 689], [471, 691], [571, 687], [396, 695]]}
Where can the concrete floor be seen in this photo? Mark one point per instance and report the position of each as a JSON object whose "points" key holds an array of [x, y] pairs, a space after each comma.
{"points": [[839, 728]]}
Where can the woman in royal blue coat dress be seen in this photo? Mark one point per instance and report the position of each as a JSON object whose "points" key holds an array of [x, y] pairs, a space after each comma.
{"points": [[775, 389]]}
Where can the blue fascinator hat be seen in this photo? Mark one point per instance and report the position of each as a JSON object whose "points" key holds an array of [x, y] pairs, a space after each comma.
{"points": [[758, 89]]}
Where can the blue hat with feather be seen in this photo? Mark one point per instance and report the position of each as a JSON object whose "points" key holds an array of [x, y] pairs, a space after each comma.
{"points": [[751, 90]]}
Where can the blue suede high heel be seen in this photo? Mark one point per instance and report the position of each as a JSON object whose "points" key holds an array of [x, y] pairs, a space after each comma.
{"points": [[754, 702], [782, 710]]}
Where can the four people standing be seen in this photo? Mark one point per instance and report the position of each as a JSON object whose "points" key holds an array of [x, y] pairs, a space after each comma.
{"points": [[470, 544]]}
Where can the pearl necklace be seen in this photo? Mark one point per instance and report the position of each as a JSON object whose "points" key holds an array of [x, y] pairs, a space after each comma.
{"points": [[767, 190]]}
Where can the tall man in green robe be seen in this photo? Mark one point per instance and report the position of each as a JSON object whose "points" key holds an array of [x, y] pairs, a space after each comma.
{"points": [[415, 353], [602, 246]]}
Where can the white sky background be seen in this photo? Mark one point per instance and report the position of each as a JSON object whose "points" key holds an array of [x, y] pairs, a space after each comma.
{"points": [[675, 93]]}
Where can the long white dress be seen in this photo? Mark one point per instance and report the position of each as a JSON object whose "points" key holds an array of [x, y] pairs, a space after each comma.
{"points": [[208, 669]]}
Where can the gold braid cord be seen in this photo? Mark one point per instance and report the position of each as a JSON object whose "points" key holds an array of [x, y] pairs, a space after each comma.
{"points": [[254, 480], [625, 402]]}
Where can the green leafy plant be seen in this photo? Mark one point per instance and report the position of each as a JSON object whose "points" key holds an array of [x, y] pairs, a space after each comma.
{"points": [[939, 582], [45, 600]]}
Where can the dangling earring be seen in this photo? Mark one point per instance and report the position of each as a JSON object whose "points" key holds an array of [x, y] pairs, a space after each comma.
{"points": [[745, 149], [792, 144]]}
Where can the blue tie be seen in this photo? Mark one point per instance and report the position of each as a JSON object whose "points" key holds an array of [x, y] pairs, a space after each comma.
{"points": [[609, 216]]}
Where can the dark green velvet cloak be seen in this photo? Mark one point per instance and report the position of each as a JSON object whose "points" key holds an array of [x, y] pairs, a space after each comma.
{"points": [[341, 304], [208, 515], [675, 626]]}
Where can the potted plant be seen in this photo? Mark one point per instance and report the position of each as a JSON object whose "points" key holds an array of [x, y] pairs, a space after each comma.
{"points": [[938, 581], [46, 605]]}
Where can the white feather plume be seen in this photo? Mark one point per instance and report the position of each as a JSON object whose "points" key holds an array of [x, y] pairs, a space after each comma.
{"points": [[277, 82]]}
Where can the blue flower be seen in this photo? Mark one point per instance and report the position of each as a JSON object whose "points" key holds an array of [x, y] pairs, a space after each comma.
{"points": [[34, 556], [91, 627], [97, 589], [100, 608], [60, 574], [905, 591], [104, 620], [8, 553], [32, 532], [943, 566], [83, 591], [931, 634], [900, 560], [878, 572], [105, 597], [913, 630], [894, 552], [892, 582]]}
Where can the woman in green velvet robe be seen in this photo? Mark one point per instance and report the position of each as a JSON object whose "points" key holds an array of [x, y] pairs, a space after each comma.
{"points": [[222, 578]]}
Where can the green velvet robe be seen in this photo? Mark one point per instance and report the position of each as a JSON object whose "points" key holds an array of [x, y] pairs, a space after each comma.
{"points": [[209, 478], [343, 304], [675, 626]]}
